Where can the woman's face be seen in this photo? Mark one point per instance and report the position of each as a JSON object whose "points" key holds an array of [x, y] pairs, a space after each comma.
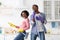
{"points": [[24, 15]]}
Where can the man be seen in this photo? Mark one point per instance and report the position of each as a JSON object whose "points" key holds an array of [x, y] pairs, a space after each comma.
{"points": [[38, 28]]}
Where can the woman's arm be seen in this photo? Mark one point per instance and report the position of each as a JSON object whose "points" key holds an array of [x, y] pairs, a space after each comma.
{"points": [[17, 27], [27, 24]]}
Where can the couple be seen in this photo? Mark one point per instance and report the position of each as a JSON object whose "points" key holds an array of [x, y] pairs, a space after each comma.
{"points": [[38, 20]]}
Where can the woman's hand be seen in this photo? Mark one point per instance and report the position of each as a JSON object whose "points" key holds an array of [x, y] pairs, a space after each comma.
{"points": [[20, 30]]}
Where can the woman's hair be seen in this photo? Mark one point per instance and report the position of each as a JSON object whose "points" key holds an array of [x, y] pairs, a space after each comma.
{"points": [[26, 12]]}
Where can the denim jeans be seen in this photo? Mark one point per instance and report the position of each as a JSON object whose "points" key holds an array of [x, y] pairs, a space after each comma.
{"points": [[41, 35], [20, 36]]}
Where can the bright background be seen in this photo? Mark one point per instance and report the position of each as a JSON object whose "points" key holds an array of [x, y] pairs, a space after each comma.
{"points": [[10, 12]]}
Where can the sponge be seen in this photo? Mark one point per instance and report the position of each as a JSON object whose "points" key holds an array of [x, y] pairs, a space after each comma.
{"points": [[11, 24]]}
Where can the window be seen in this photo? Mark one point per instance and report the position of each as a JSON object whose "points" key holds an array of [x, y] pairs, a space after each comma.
{"points": [[47, 9], [58, 24], [57, 9], [55, 24]]}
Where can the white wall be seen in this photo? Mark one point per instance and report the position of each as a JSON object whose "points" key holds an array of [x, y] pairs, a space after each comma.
{"points": [[10, 11]]}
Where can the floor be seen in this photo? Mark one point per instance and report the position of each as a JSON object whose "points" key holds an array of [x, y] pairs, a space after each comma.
{"points": [[48, 37]]}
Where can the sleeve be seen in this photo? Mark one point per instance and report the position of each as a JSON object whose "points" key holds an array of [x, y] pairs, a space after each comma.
{"points": [[27, 25], [21, 25], [31, 19], [45, 21]]}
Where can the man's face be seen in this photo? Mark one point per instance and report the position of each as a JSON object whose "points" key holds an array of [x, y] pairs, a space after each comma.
{"points": [[35, 8]]}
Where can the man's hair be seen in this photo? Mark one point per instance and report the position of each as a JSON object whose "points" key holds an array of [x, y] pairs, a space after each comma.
{"points": [[35, 5]]}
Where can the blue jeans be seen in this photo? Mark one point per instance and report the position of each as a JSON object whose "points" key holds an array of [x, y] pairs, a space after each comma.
{"points": [[20, 36], [41, 35]]}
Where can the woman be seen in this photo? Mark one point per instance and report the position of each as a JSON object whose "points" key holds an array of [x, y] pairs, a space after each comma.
{"points": [[24, 26]]}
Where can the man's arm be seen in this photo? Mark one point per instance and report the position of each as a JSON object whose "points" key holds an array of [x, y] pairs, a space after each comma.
{"points": [[45, 21], [32, 20]]}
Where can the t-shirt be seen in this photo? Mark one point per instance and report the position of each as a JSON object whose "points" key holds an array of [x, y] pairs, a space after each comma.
{"points": [[24, 24], [39, 24]]}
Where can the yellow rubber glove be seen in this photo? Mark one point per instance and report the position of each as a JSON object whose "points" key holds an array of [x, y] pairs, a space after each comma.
{"points": [[49, 31], [12, 25], [20, 30]]}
